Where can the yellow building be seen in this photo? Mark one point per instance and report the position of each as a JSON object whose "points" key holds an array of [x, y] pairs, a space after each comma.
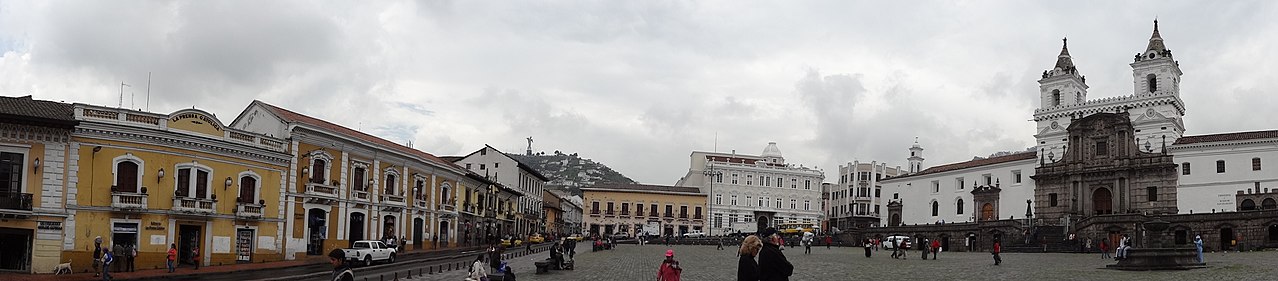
{"points": [[627, 208], [344, 185], [149, 181], [34, 148]]}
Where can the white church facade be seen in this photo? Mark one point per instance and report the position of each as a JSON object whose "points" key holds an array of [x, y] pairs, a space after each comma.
{"points": [[1211, 168]]}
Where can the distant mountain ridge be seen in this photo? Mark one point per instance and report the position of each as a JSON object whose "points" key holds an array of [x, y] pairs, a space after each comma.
{"points": [[570, 172]]}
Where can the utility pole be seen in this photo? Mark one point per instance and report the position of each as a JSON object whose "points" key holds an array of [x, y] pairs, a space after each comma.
{"points": [[713, 175], [122, 85]]}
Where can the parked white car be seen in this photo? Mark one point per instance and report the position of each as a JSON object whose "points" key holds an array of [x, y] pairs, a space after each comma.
{"points": [[694, 234], [369, 251]]}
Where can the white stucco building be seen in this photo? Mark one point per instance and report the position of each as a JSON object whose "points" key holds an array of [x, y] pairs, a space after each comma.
{"points": [[856, 200], [500, 167], [749, 191], [1212, 168]]}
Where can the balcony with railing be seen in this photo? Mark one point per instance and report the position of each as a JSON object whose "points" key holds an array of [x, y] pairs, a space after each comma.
{"points": [[360, 195], [194, 205], [594, 212], [447, 206], [128, 200], [248, 210], [392, 199], [320, 193], [15, 201], [421, 203]]}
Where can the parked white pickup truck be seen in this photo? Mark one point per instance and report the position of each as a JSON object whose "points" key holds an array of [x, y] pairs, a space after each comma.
{"points": [[369, 251]]}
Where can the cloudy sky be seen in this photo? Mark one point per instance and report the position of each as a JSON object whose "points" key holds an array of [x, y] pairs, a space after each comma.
{"points": [[638, 85]]}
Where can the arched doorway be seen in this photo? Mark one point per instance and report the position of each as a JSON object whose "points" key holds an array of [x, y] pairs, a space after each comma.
{"points": [[356, 227], [388, 229], [317, 231], [1273, 233], [1248, 205], [1102, 201], [987, 211], [895, 220], [417, 233], [442, 236], [763, 223], [1268, 204]]}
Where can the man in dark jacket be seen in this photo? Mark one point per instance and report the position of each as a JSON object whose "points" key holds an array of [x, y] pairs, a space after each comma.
{"points": [[773, 265], [341, 270]]}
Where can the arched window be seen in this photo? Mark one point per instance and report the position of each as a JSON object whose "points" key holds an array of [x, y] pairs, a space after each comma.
{"points": [[444, 197], [127, 171], [319, 171], [248, 189], [193, 180], [936, 208], [1152, 81], [1248, 205], [960, 206], [1268, 204], [1056, 97], [390, 184], [126, 176]]}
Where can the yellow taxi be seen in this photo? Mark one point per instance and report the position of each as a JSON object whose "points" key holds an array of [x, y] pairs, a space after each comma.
{"points": [[508, 243], [536, 238]]}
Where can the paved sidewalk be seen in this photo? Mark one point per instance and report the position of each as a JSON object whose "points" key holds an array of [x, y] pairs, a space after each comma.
{"points": [[522, 266], [189, 272]]}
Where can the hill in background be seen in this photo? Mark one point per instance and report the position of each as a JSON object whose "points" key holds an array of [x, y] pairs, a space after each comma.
{"points": [[570, 172]]}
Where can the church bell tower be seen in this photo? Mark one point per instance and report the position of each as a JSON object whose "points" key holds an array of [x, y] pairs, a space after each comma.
{"points": [[1155, 71], [1063, 84]]}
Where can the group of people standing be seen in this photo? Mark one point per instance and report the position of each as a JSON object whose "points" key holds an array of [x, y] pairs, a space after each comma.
{"points": [[120, 258], [771, 265]]}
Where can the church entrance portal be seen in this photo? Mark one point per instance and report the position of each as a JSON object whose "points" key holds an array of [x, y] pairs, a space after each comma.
{"points": [[1102, 201]]}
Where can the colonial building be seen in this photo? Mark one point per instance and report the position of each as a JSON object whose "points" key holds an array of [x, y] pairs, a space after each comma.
{"points": [[1101, 167], [150, 180], [344, 185], [572, 213], [552, 206], [856, 201], [36, 163], [628, 208], [749, 192], [496, 165]]}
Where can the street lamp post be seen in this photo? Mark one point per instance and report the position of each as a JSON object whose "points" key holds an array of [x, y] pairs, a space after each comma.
{"points": [[712, 174]]}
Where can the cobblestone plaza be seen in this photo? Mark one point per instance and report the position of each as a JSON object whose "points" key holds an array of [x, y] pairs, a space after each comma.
{"points": [[631, 262]]}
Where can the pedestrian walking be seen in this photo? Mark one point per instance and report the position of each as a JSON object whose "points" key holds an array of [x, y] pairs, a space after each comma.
{"points": [[936, 248], [337, 258], [720, 242], [172, 258], [97, 255], [807, 245], [1104, 248], [195, 256], [773, 265], [998, 248], [896, 248], [828, 241], [1198, 245], [107, 260], [669, 269], [868, 244], [747, 267]]}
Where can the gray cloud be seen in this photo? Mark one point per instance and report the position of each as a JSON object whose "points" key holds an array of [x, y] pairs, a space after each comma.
{"points": [[638, 85]]}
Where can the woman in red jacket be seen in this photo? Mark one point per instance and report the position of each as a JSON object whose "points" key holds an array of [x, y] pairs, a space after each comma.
{"points": [[172, 260], [997, 249]]}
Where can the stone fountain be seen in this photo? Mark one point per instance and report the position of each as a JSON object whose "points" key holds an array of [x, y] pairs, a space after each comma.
{"points": [[1157, 254]]}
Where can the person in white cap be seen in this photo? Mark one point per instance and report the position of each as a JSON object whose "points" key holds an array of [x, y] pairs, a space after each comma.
{"points": [[1198, 244]]}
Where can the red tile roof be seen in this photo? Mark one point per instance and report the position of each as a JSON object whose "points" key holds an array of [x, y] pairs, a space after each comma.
{"points": [[1228, 137], [636, 187], [974, 163], [291, 116]]}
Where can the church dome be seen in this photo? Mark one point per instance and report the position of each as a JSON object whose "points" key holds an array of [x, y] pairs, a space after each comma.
{"points": [[771, 150]]}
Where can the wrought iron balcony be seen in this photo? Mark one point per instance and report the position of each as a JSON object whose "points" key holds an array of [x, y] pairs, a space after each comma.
{"points": [[421, 203], [248, 210], [320, 193], [128, 200], [194, 205], [447, 206], [15, 201]]}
